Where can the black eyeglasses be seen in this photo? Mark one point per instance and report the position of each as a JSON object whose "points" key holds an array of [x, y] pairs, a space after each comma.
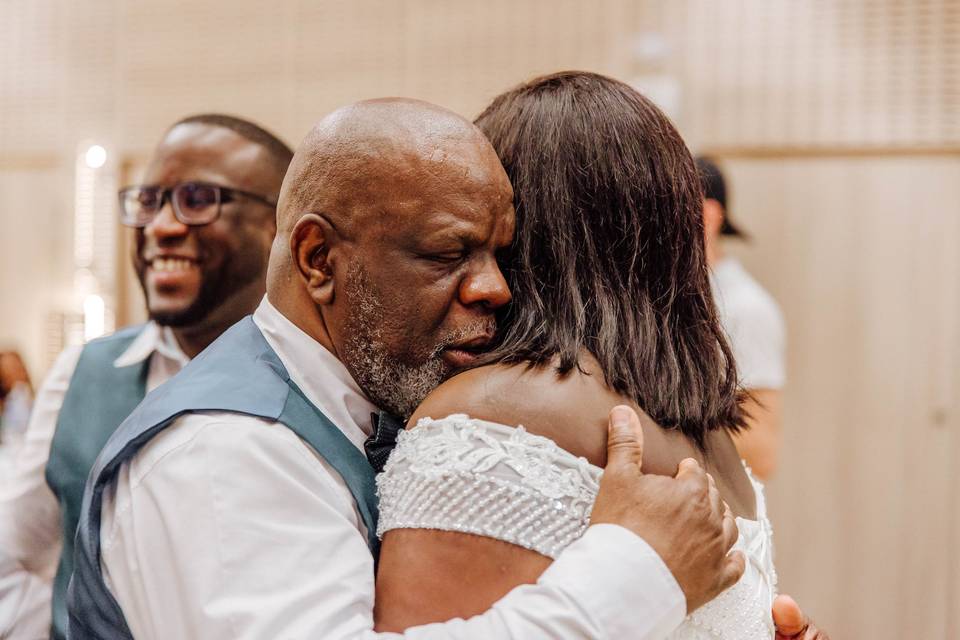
{"points": [[194, 203]]}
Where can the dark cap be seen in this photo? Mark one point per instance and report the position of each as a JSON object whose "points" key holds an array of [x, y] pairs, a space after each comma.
{"points": [[715, 188]]}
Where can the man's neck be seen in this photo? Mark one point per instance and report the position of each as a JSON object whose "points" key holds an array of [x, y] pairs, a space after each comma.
{"points": [[193, 340], [297, 307], [715, 252], [242, 302]]}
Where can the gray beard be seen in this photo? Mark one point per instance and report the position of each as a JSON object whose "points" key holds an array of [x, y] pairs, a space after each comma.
{"points": [[391, 385], [392, 382]]}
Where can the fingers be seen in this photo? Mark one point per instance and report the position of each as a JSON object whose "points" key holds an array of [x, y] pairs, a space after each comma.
{"points": [[733, 568], [787, 617], [624, 437], [688, 467], [730, 530], [717, 505]]}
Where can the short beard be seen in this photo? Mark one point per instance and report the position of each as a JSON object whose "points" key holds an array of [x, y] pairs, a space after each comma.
{"points": [[215, 289], [206, 301], [395, 383]]}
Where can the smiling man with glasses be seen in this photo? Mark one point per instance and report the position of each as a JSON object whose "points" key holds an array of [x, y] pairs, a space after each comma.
{"points": [[205, 221]]}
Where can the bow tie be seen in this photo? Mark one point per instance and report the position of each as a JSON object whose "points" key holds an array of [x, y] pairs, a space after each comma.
{"points": [[381, 442]]}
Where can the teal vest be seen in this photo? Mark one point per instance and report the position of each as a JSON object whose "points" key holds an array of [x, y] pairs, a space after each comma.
{"points": [[100, 396], [238, 373]]}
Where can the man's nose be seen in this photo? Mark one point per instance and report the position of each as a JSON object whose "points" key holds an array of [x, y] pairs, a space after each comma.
{"points": [[165, 225], [486, 287]]}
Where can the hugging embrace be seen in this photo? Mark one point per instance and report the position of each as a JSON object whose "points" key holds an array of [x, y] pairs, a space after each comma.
{"points": [[529, 295]]}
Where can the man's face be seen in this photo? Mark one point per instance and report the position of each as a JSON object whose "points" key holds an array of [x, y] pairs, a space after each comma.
{"points": [[187, 272], [422, 283]]}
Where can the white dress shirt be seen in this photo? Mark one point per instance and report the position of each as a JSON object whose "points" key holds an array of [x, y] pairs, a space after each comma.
{"points": [[230, 526], [30, 531], [753, 322]]}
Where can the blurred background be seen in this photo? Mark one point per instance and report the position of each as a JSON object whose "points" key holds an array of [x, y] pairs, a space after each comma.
{"points": [[837, 123]]}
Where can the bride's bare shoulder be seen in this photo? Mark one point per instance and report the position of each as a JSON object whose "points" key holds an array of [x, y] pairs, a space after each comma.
{"points": [[570, 409]]}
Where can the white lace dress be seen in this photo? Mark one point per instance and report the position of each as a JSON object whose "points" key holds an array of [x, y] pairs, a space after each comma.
{"points": [[473, 476]]}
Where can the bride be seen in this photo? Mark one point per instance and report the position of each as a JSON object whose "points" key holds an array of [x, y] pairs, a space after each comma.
{"points": [[611, 306]]}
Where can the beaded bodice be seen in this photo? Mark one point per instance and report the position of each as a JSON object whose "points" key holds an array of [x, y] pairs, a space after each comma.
{"points": [[488, 479], [459, 474]]}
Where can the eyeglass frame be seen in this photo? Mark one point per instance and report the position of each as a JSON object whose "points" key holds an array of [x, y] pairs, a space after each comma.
{"points": [[166, 195]]}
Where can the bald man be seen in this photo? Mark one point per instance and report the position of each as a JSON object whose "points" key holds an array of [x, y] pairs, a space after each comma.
{"points": [[236, 502]]}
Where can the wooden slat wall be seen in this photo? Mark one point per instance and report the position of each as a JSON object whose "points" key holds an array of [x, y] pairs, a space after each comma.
{"points": [[820, 73]]}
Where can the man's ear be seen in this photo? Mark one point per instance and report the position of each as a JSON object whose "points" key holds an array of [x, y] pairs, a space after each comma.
{"points": [[310, 245]]}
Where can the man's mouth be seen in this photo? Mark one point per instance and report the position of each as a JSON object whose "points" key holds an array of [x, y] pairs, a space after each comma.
{"points": [[172, 270], [172, 264], [465, 353]]}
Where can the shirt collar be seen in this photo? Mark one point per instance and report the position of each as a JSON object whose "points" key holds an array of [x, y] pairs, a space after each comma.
{"points": [[153, 339], [320, 375]]}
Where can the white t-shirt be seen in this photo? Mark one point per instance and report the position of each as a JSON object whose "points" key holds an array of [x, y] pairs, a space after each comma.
{"points": [[754, 324]]}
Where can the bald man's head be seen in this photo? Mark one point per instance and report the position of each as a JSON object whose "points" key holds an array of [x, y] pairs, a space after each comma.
{"points": [[361, 152], [388, 223]]}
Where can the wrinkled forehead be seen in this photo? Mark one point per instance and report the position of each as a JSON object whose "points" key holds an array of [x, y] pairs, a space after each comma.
{"points": [[442, 173]]}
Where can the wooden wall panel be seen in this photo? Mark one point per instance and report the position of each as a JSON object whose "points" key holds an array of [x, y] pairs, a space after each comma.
{"points": [[820, 73], [862, 254]]}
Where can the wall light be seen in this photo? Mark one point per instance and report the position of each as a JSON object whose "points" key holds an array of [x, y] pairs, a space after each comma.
{"points": [[94, 317], [95, 157]]}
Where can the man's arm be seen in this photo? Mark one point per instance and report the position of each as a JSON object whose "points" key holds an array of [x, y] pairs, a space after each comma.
{"points": [[30, 515], [758, 338], [231, 527], [759, 445]]}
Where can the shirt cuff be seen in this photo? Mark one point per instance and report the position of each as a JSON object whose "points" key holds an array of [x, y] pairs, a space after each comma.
{"points": [[616, 576]]}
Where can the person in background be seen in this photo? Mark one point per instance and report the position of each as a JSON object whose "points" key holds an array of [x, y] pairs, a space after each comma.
{"points": [[205, 221], [753, 322], [16, 396]]}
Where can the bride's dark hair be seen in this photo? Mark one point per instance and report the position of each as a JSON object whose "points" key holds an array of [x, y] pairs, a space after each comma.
{"points": [[609, 251]]}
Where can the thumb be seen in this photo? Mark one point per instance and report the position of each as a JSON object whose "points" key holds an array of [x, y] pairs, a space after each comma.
{"points": [[624, 437], [787, 617]]}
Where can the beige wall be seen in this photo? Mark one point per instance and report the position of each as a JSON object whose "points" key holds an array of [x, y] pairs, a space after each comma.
{"points": [[863, 255], [35, 255], [839, 124]]}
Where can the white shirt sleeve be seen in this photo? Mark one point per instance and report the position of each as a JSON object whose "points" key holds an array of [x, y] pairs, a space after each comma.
{"points": [[758, 338], [30, 538], [229, 526]]}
